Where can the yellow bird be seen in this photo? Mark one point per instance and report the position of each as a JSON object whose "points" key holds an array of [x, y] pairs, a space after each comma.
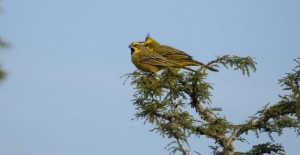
{"points": [[173, 54], [149, 61]]}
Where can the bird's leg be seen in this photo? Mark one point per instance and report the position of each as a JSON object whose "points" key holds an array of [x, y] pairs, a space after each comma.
{"points": [[151, 74]]}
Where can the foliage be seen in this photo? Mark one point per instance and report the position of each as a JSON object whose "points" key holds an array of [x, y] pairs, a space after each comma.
{"points": [[267, 148], [178, 104]]}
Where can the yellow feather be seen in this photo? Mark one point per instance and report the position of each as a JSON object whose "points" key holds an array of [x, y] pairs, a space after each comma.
{"points": [[173, 54]]}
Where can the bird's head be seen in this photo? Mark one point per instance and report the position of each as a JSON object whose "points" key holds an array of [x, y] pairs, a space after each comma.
{"points": [[135, 47], [150, 43]]}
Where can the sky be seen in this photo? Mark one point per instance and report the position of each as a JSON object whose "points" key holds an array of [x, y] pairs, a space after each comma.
{"points": [[64, 96]]}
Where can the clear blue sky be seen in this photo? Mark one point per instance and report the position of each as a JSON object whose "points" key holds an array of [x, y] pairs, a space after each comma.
{"points": [[64, 96]]}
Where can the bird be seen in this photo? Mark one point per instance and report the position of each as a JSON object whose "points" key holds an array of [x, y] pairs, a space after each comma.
{"points": [[173, 54], [150, 61]]}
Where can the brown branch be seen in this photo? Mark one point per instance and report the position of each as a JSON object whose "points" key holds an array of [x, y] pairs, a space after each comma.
{"points": [[196, 129], [194, 95], [203, 113]]}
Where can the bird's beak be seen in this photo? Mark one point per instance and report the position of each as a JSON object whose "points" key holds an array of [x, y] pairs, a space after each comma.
{"points": [[130, 46]]}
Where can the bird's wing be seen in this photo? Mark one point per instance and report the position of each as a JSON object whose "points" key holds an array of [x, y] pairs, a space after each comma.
{"points": [[173, 53], [157, 60]]}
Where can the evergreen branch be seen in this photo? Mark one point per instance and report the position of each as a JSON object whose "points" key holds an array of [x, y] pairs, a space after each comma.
{"points": [[273, 112], [245, 64], [267, 148]]}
